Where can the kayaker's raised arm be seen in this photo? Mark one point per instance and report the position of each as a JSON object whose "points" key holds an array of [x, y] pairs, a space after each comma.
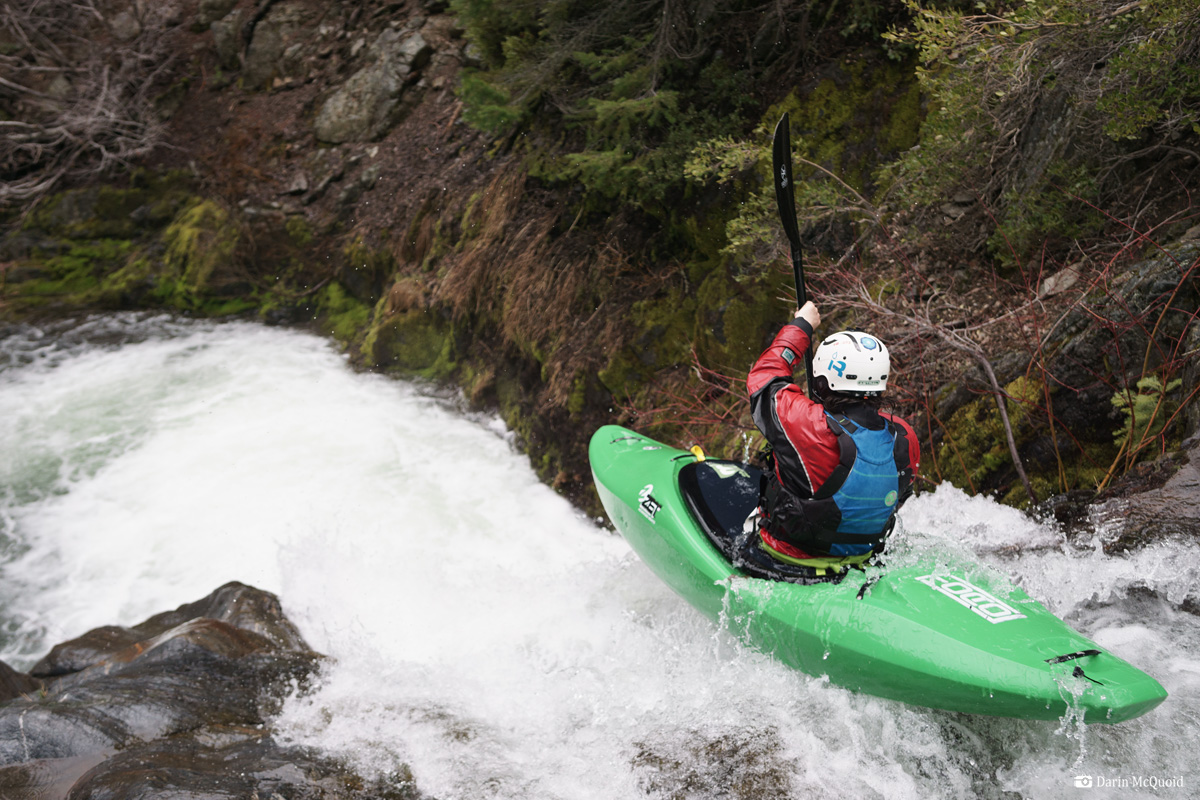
{"points": [[779, 360]]}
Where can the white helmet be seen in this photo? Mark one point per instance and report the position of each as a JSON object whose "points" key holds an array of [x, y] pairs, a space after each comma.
{"points": [[853, 362]]}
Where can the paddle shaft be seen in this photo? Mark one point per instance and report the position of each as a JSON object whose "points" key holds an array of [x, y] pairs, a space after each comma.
{"points": [[785, 197]]}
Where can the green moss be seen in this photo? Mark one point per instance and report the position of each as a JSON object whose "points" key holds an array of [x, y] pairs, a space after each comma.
{"points": [[108, 212], [198, 242], [366, 270], [131, 285], [340, 315], [970, 451], [473, 217], [901, 128], [80, 269], [99, 245], [663, 337], [578, 398], [299, 231], [868, 110], [975, 448], [734, 319], [414, 342]]}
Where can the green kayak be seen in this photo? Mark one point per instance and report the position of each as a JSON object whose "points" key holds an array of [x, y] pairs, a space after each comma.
{"points": [[921, 629]]}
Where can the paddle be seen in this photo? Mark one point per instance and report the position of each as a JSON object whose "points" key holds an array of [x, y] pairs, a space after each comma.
{"points": [[782, 149]]}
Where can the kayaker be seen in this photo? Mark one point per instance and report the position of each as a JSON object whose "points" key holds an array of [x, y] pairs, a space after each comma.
{"points": [[840, 468]]}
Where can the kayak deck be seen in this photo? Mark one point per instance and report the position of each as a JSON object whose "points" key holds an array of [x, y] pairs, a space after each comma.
{"points": [[926, 632]]}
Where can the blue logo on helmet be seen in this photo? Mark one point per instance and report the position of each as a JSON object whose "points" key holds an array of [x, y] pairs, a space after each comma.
{"points": [[868, 343], [838, 366]]}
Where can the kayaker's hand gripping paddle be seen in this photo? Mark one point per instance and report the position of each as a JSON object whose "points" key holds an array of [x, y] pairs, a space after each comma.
{"points": [[782, 147]]}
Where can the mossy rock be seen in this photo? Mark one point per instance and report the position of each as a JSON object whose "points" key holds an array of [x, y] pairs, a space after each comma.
{"points": [[111, 212], [417, 341], [365, 271], [200, 245], [862, 110], [662, 336], [74, 274], [734, 321], [340, 315]]}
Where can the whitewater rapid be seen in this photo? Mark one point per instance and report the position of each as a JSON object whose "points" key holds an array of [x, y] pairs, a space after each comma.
{"points": [[483, 633]]}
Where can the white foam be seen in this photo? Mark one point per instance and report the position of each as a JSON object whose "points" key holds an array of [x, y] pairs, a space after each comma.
{"points": [[480, 630]]}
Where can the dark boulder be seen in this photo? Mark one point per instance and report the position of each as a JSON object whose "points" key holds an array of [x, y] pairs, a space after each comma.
{"points": [[178, 705], [15, 684]]}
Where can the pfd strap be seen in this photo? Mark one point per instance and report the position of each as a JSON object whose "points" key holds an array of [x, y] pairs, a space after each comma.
{"points": [[903, 461], [847, 453]]}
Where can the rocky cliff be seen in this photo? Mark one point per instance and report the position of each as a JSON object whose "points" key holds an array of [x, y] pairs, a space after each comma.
{"points": [[309, 163]]}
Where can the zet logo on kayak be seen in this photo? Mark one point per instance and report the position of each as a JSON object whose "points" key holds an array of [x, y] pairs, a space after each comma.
{"points": [[648, 505], [983, 603]]}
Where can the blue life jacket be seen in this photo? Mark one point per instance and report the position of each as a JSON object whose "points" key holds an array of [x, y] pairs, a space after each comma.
{"points": [[870, 491], [853, 511]]}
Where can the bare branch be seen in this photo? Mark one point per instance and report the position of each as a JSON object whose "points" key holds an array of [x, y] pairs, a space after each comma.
{"points": [[958, 338], [99, 112]]}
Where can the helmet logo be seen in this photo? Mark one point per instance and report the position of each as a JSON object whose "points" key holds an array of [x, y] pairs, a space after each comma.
{"points": [[838, 366], [868, 343]]}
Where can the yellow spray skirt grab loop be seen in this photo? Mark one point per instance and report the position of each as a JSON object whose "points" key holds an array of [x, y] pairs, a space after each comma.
{"points": [[698, 452], [822, 566]]}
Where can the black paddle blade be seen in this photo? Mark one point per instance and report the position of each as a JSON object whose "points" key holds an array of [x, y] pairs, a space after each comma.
{"points": [[785, 197], [782, 150]]}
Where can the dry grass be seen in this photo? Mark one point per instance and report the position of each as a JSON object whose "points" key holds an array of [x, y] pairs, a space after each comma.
{"points": [[545, 290]]}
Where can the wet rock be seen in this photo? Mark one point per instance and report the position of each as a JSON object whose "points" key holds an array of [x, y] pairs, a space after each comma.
{"points": [[82, 652], [350, 195], [363, 108], [1191, 376], [1169, 510], [178, 705], [21, 244], [472, 56], [227, 38], [324, 167], [248, 765], [1111, 328], [125, 27], [297, 185], [280, 29], [958, 206], [370, 176], [206, 662], [209, 11], [14, 684], [59, 88], [72, 209]]}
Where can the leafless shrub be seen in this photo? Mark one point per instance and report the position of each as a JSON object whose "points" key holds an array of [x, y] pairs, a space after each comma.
{"points": [[76, 90]]}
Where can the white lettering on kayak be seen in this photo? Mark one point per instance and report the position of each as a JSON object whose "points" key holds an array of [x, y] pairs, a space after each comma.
{"points": [[648, 505], [985, 604]]}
